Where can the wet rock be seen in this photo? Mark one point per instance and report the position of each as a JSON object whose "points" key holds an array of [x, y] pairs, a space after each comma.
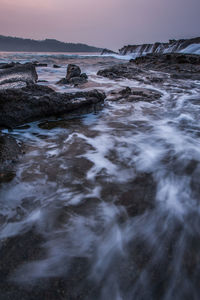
{"points": [[7, 66], [134, 95], [78, 80], [56, 66], [29, 247], [74, 76], [10, 150], [180, 66], [73, 71], [107, 51], [35, 102], [121, 71], [63, 81], [42, 81], [126, 91], [140, 197], [41, 65], [17, 76]]}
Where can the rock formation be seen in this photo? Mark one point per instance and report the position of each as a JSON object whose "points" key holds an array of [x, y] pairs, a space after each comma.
{"points": [[74, 76], [18, 106]]}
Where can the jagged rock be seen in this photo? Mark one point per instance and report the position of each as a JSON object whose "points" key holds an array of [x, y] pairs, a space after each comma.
{"points": [[73, 71], [73, 76], [34, 102], [17, 76]]}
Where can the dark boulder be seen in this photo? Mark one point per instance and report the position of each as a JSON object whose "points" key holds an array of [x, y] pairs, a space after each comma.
{"points": [[74, 76], [73, 71], [19, 106]]}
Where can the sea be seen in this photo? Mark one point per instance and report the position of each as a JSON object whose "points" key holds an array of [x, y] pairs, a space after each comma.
{"points": [[104, 204]]}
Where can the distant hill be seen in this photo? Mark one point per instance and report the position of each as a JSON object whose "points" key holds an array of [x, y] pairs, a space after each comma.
{"points": [[8, 43]]}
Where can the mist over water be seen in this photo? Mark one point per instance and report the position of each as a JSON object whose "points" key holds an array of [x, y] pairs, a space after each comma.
{"points": [[113, 194]]}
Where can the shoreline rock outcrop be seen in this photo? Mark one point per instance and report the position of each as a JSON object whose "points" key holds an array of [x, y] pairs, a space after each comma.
{"points": [[179, 66], [34, 102]]}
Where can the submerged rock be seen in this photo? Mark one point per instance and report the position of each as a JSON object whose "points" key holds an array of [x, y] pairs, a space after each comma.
{"points": [[74, 76], [35, 102], [134, 95]]}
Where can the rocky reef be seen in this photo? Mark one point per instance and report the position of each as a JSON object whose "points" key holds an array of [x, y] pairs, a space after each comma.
{"points": [[178, 66]]}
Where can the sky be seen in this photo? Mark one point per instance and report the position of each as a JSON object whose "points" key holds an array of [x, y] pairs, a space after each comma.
{"points": [[103, 23]]}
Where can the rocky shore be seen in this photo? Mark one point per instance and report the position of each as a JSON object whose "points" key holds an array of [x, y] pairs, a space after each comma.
{"points": [[175, 65], [22, 100], [99, 182]]}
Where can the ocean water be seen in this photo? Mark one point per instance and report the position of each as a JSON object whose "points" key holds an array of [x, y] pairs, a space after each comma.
{"points": [[105, 203]]}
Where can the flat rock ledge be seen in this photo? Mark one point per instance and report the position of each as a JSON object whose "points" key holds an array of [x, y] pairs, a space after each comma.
{"points": [[34, 102]]}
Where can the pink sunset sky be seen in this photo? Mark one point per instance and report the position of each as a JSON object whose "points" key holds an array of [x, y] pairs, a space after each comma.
{"points": [[103, 23]]}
